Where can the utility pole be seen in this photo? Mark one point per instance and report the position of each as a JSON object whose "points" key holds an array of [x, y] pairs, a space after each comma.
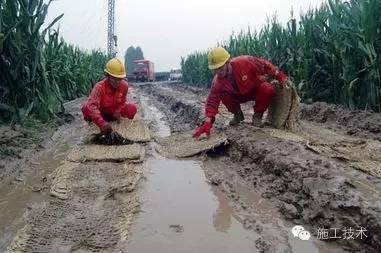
{"points": [[111, 37]]}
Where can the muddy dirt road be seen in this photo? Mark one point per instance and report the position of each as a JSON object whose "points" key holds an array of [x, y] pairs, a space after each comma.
{"points": [[325, 177], [243, 197]]}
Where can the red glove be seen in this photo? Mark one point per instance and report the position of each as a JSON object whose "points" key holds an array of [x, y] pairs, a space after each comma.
{"points": [[205, 128], [106, 128]]}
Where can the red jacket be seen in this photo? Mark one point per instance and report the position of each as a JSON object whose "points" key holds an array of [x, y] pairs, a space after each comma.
{"points": [[105, 101], [248, 73]]}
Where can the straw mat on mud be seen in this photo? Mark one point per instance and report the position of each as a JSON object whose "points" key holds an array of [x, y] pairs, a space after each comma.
{"points": [[359, 154], [77, 225], [60, 187], [86, 179], [134, 130], [364, 155], [102, 153], [93, 210], [184, 145]]}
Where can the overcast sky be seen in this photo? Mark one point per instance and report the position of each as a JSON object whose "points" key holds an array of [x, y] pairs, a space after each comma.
{"points": [[166, 30]]}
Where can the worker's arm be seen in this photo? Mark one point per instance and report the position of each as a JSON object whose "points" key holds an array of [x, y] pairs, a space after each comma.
{"points": [[214, 98], [267, 68], [211, 109], [94, 105]]}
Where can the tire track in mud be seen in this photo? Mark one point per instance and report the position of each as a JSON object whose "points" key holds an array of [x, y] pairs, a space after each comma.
{"points": [[308, 188]]}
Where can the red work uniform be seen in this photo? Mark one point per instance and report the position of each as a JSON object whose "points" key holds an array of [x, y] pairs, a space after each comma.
{"points": [[106, 103], [248, 83]]}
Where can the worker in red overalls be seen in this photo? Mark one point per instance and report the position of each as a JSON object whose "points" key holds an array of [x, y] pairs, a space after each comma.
{"points": [[238, 80], [107, 101]]}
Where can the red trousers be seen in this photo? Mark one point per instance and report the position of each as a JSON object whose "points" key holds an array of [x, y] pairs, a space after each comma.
{"points": [[262, 96], [128, 110]]}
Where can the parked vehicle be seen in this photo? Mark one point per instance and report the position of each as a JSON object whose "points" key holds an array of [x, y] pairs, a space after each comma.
{"points": [[144, 71], [175, 75]]}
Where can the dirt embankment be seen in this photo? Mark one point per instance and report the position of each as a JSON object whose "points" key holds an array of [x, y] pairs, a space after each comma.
{"points": [[358, 123], [308, 187], [182, 106], [19, 144]]}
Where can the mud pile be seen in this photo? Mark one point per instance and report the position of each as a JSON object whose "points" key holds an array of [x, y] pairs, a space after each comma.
{"points": [[107, 139], [16, 145], [307, 187], [183, 109], [21, 144], [353, 122]]}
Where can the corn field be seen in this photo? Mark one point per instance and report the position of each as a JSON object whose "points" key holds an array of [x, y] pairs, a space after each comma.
{"points": [[333, 53], [39, 71]]}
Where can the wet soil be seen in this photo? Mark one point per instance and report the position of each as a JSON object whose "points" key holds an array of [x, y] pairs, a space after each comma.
{"points": [[20, 144], [305, 187], [246, 196], [360, 123], [63, 206], [26, 181]]}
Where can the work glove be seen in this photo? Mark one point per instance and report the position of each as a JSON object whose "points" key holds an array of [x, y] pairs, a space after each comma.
{"points": [[106, 129], [203, 129]]}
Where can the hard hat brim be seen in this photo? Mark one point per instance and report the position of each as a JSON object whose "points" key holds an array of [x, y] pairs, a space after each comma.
{"points": [[217, 65], [116, 76]]}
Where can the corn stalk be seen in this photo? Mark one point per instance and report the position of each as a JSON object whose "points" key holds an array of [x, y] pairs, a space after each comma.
{"points": [[38, 70], [333, 53]]}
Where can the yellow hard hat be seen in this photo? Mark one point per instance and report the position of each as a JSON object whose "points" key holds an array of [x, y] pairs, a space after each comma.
{"points": [[115, 68], [217, 57]]}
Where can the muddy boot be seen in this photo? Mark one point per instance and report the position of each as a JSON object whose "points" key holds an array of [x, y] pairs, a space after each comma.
{"points": [[257, 119], [238, 117], [267, 121]]}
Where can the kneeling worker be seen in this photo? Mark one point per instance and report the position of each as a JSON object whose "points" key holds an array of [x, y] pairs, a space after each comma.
{"points": [[238, 80], [107, 101]]}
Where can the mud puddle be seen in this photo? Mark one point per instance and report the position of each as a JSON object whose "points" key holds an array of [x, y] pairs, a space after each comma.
{"points": [[181, 212], [30, 188]]}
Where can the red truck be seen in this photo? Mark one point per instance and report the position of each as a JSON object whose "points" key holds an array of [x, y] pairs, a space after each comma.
{"points": [[144, 71]]}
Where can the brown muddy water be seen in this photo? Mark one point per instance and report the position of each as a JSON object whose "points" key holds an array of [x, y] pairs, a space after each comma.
{"points": [[180, 213], [180, 210]]}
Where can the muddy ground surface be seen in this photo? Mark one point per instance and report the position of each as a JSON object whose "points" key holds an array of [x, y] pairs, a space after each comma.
{"points": [[246, 195], [358, 123], [63, 206], [306, 187], [20, 144]]}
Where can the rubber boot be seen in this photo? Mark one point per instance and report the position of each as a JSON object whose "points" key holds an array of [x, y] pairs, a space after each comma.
{"points": [[257, 119], [237, 118]]}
